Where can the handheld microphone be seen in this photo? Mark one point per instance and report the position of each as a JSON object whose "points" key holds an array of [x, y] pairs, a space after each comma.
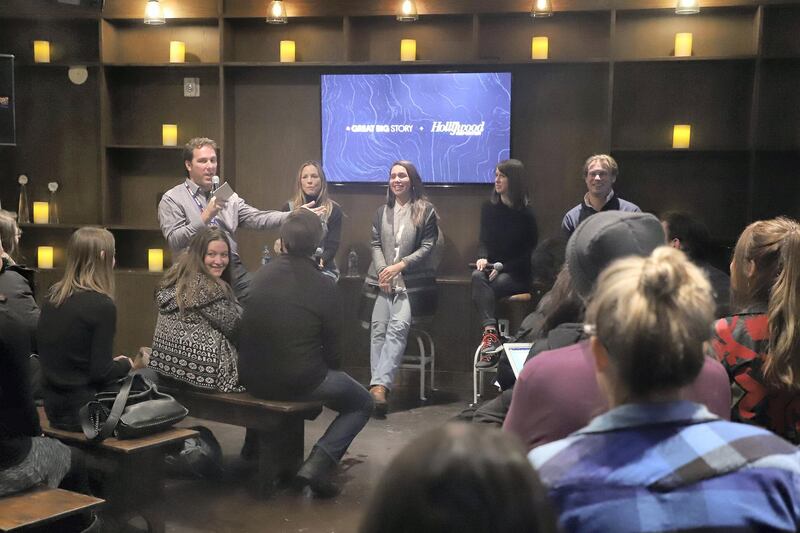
{"points": [[490, 266], [214, 183]]}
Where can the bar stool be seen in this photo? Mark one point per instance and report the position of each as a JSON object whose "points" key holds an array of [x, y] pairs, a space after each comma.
{"points": [[425, 358], [515, 308]]}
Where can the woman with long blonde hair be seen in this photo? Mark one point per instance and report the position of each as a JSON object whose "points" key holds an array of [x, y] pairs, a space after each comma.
{"points": [[655, 461], [311, 185], [759, 345], [76, 330]]}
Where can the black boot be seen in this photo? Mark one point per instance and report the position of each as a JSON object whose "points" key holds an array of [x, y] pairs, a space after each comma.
{"points": [[316, 473]]}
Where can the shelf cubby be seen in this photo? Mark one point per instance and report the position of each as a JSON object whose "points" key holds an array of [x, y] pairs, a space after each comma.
{"points": [[131, 42], [144, 98], [71, 41], [776, 190], [781, 23], [317, 40], [720, 32], [581, 36], [779, 108]]}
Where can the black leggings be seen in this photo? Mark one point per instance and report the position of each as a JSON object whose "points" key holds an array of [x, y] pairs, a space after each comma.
{"points": [[485, 293]]}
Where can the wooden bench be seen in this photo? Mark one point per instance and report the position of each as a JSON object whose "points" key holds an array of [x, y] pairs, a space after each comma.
{"points": [[278, 425], [42, 506], [133, 469]]}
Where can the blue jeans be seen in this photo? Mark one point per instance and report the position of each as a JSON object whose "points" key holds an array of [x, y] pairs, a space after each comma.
{"points": [[350, 399], [391, 321]]}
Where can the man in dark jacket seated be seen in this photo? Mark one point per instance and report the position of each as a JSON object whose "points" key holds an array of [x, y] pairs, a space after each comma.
{"points": [[289, 347]]}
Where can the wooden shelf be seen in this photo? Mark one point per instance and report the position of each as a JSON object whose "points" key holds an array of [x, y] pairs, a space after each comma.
{"points": [[161, 65], [143, 147]]}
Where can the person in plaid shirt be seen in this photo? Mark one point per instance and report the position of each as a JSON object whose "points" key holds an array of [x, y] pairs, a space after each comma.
{"points": [[655, 462], [760, 345]]}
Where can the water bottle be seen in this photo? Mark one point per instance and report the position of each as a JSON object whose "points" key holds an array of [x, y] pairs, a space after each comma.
{"points": [[352, 264], [266, 256]]}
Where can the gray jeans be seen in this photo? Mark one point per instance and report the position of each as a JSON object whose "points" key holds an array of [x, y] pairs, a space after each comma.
{"points": [[391, 320]]}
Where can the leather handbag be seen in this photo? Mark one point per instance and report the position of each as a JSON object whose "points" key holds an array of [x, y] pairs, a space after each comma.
{"points": [[138, 409]]}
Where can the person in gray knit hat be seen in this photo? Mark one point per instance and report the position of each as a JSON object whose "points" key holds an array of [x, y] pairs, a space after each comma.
{"points": [[556, 392]]}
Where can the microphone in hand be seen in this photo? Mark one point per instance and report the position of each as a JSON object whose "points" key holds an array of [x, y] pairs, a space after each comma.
{"points": [[489, 266], [214, 183]]}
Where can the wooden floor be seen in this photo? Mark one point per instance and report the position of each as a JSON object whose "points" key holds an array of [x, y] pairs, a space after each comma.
{"points": [[227, 506]]}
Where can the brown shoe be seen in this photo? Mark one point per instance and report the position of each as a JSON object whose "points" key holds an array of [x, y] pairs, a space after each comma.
{"points": [[379, 394]]}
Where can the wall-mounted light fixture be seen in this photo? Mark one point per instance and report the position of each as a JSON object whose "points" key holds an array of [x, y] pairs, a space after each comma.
{"points": [[408, 11], [153, 14], [276, 12], [542, 8], [687, 7]]}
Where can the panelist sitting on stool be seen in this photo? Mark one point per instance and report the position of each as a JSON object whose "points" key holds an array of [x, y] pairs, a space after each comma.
{"points": [[289, 347], [190, 206], [508, 235]]}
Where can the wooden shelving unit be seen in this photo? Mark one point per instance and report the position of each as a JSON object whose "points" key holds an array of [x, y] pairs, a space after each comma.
{"points": [[611, 84]]}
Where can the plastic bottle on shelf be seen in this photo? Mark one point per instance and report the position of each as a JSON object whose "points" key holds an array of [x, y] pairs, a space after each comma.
{"points": [[23, 211]]}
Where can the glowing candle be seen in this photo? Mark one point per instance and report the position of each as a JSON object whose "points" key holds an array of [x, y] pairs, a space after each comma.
{"points": [[683, 45], [41, 51], [155, 260], [45, 256], [539, 47], [287, 51], [169, 134], [177, 51], [41, 212], [681, 133], [408, 50]]}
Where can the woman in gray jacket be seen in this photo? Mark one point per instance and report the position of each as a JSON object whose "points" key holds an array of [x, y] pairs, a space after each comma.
{"points": [[401, 277]]}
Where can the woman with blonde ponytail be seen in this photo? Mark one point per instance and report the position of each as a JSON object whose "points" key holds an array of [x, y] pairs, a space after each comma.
{"points": [[760, 344], [654, 461]]}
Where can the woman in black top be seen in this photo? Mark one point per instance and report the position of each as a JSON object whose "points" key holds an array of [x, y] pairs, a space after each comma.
{"points": [[508, 235], [76, 330], [312, 186]]}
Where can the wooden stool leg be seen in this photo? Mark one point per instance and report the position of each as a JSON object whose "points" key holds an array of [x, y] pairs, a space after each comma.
{"points": [[280, 454]]}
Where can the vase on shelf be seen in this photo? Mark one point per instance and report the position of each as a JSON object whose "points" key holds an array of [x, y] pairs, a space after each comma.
{"points": [[53, 213], [23, 211]]}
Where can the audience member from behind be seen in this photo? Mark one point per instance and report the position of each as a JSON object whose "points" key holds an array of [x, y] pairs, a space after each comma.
{"points": [[600, 174], [460, 478], [689, 234], [655, 462], [290, 347], [312, 186], [556, 392], [199, 317], [76, 330], [759, 345], [402, 275], [508, 235], [16, 281]]}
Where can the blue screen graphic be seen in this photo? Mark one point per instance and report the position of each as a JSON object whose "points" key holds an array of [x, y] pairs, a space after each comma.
{"points": [[454, 127]]}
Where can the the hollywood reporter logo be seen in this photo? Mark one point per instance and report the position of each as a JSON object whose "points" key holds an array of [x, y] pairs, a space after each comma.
{"points": [[456, 128]]}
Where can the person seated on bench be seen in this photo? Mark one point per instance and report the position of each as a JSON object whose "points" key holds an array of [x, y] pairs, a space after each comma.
{"points": [[198, 317], [27, 458], [290, 341], [76, 330]]}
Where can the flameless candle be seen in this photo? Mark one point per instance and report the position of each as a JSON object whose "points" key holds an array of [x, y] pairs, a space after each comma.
{"points": [[539, 46], [41, 51], [45, 256], [41, 212], [681, 133], [155, 260], [169, 134], [683, 45], [287, 51], [408, 50], [177, 51]]}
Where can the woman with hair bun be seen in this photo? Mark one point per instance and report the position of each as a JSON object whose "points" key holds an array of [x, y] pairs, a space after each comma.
{"points": [[655, 462], [760, 344]]}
